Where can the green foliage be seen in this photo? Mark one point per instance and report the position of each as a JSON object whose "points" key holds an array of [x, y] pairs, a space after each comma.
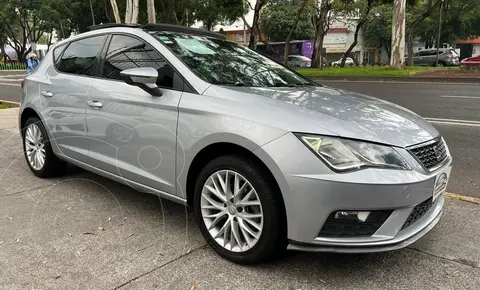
{"points": [[212, 12], [378, 71], [460, 20], [279, 17], [378, 28]]}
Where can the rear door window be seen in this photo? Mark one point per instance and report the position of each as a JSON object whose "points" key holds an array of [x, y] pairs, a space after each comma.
{"points": [[81, 56]]}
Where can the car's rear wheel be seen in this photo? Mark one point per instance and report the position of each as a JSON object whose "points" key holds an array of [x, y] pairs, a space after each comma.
{"points": [[239, 211], [38, 151]]}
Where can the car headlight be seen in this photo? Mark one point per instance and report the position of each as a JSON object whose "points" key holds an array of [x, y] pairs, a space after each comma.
{"points": [[349, 155]]}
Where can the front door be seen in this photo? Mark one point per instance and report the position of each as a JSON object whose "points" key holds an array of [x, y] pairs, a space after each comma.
{"points": [[63, 90], [131, 133]]}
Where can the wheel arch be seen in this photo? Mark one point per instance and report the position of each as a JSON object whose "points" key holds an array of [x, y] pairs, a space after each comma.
{"points": [[217, 149], [27, 113]]}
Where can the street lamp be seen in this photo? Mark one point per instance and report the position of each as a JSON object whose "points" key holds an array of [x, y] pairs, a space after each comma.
{"points": [[439, 30]]}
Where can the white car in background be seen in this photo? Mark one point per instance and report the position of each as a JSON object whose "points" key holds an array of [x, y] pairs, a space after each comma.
{"points": [[299, 61], [348, 62]]}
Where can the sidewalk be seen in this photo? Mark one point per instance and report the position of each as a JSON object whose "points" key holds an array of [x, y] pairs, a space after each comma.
{"points": [[82, 231]]}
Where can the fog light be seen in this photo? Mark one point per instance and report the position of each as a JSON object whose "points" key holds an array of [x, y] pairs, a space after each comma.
{"points": [[357, 216]]}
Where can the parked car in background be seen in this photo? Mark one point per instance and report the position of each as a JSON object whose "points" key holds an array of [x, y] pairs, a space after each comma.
{"points": [[348, 62], [267, 159], [428, 57], [298, 61], [472, 59]]}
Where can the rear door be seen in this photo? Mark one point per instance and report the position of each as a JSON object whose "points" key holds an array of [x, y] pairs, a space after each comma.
{"points": [[63, 91], [131, 133]]}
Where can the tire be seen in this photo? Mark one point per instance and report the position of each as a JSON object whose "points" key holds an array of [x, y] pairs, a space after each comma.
{"points": [[441, 64], [52, 166], [272, 240]]}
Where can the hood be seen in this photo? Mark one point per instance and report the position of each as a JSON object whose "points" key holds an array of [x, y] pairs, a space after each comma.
{"points": [[343, 113]]}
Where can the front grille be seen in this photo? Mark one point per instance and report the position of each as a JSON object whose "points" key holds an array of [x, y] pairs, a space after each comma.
{"points": [[345, 228], [432, 154], [418, 212]]}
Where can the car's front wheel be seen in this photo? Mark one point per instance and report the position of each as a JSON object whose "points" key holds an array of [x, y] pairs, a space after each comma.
{"points": [[239, 211], [38, 151]]}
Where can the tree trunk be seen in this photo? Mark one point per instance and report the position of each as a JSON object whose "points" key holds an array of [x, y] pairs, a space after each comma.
{"points": [[254, 28], [410, 48], [317, 58], [354, 43], [151, 11], [128, 11], [134, 12], [116, 13], [398, 34], [292, 30]]}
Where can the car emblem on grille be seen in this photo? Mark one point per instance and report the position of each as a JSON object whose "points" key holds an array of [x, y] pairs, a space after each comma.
{"points": [[437, 152]]}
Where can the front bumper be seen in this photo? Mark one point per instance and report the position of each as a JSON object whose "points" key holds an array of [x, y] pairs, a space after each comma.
{"points": [[312, 192]]}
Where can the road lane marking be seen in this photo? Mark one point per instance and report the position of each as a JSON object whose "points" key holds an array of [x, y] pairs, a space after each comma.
{"points": [[10, 84], [461, 97], [454, 122], [471, 199]]}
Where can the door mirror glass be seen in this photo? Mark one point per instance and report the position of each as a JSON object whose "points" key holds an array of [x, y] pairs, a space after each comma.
{"points": [[143, 77]]}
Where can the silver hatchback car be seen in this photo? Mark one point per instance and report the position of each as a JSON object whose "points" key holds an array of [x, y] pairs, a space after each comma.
{"points": [[267, 159]]}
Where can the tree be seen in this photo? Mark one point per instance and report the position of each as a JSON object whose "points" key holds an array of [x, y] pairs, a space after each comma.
{"points": [[212, 12], [254, 28], [420, 11], [116, 13], [398, 34], [461, 20], [279, 18], [24, 22], [151, 11], [361, 8], [378, 28], [321, 22], [300, 10]]}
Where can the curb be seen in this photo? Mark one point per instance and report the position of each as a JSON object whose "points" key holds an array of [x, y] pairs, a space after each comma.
{"points": [[10, 103], [455, 196], [396, 79]]}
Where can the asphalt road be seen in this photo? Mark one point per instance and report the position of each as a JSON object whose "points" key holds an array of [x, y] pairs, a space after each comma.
{"points": [[10, 88], [454, 109]]}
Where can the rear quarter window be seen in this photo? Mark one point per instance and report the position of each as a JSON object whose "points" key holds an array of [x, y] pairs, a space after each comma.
{"points": [[57, 52], [81, 56]]}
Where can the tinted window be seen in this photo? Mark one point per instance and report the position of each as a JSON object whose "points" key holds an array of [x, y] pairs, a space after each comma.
{"points": [[81, 56], [126, 52], [57, 52]]}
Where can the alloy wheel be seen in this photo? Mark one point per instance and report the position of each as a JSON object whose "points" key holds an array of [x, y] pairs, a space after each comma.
{"points": [[231, 211], [34, 147]]}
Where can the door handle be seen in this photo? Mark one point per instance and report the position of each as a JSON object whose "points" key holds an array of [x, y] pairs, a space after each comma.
{"points": [[47, 94], [94, 104]]}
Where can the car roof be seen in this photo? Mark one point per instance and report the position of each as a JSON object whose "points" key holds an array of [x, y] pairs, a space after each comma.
{"points": [[161, 27], [150, 28]]}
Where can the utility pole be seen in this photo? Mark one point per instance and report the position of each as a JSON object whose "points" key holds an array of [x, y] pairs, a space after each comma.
{"points": [[93, 15], [439, 31], [398, 34]]}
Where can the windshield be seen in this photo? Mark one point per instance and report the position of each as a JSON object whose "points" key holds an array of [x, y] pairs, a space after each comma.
{"points": [[225, 63]]}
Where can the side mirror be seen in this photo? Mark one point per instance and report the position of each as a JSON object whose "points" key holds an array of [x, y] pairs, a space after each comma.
{"points": [[143, 77]]}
